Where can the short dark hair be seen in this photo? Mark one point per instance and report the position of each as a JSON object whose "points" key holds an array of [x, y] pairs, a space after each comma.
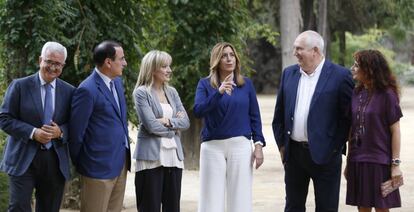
{"points": [[105, 49]]}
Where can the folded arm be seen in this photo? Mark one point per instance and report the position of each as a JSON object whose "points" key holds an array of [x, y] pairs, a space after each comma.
{"points": [[147, 117]]}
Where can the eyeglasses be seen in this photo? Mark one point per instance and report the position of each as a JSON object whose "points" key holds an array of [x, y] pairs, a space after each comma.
{"points": [[54, 64]]}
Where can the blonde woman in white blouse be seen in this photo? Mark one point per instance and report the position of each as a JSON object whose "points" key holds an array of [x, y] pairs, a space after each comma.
{"points": [[159, 154]]}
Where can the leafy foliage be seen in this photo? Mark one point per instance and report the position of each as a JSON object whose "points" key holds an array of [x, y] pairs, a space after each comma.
{"points": [[373, 39], [185, 29], [4, 194]]}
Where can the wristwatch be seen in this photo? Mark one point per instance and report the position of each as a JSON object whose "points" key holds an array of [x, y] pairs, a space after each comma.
{"points": [[395, 162]]}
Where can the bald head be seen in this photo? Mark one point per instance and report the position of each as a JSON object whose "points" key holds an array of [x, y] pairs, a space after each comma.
{"points": [[308, 49], [312, 39]]}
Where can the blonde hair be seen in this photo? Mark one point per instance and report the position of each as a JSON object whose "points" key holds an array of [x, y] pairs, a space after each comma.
{"points": [[150, 63], [215, 58]]}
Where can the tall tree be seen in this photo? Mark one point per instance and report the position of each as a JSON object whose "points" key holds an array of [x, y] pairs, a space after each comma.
{"points": [[290, 26], [186, 29], [201, 24], [323, 24], [264, 52]]}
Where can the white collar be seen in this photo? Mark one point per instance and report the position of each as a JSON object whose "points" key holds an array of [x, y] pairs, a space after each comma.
{"points": [[105, 78], [317, 69], [43, 82]]}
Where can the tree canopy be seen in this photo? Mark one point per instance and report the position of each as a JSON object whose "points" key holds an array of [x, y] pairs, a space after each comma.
{"points": [[185, 29]]}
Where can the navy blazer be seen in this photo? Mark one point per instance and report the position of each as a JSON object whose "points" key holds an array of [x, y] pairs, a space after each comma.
{"points": [[98, 129], [22, 111], [329, 116]]}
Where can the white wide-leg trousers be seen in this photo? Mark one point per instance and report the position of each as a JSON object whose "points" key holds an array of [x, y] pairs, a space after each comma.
{"points": [[226, 175]]}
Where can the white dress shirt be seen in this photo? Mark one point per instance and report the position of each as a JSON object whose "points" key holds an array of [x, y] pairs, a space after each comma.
{"points": [[306, 88]]}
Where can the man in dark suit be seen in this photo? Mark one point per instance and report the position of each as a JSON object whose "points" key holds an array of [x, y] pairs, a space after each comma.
{"points": [[311, 124], [99, 144], [35, 114]]}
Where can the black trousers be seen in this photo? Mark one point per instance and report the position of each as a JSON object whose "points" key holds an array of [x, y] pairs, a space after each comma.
{"points": [[300, 168], [156, 187], [45, 177]]}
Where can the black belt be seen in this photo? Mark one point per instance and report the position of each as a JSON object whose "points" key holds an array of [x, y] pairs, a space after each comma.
{"points": [[303, 144], [42, 148]]}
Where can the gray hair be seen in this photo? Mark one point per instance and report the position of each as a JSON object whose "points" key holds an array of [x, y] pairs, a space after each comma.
{"points": [[313, 39], [52, 46]]}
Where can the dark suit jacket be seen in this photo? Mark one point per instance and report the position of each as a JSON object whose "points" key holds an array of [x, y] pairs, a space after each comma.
{"points": [[21, 111], [98, 129], [329, 113]]}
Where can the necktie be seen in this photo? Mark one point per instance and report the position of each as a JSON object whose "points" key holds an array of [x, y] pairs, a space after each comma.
{"points": [[48, 110], [113, 91]]}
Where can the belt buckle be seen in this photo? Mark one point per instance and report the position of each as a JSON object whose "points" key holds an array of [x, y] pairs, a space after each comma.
{"points": [[304, 144]]}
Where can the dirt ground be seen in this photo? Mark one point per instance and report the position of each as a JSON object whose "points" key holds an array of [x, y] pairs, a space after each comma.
{"points": [[268, 185]]}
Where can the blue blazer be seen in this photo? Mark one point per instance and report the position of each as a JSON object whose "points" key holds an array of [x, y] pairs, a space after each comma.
{"points": [[98, 129], [329, 116], [22, 111]]}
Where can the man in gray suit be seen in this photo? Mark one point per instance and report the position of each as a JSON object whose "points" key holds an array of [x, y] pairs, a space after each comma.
{"points": [[35, 114]]}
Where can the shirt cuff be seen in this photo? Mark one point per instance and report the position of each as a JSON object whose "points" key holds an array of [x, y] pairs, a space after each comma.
{"points": [[258, 143], [32, 134]]}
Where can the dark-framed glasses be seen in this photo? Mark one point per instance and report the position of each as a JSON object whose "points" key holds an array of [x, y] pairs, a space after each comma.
{"points": [[54, 64]]}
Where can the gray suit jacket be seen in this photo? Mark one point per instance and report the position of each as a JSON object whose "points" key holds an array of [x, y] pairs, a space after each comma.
{"points": [[150, 130]]}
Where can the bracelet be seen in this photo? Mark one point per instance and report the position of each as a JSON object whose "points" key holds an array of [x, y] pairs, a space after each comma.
{"points": [[395, 161]]}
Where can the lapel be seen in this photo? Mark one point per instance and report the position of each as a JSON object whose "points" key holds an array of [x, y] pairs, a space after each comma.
{"points": [[58, 100], [323, 79], [36, 96], [157, 105], [121, 98], [294, 88], [122, 103], [100, 84]]}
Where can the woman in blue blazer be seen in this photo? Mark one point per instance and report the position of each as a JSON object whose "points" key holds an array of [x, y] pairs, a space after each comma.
{"points": [[227, 103], [159, 154]]}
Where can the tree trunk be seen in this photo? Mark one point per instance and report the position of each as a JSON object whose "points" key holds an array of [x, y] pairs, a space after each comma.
{"points": [[308, 15], [290, 25], [323, 24], [191, 142]]}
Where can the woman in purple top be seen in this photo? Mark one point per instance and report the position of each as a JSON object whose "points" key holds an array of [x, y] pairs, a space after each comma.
{"points": [[227, 103], [374, 147]]}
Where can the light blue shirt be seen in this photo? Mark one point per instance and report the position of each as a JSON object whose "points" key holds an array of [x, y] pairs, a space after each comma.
{"points": [[42, 94]]}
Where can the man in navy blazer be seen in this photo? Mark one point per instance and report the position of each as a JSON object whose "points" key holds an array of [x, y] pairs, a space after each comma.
{"points": [[99, 144], [311, 124], [36, 153]]}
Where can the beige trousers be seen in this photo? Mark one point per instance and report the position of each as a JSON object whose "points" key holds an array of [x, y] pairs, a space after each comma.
{"points": [[103, 195]]}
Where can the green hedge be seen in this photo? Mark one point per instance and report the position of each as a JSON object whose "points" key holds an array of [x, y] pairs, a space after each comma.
{"points": [[4, 186]]}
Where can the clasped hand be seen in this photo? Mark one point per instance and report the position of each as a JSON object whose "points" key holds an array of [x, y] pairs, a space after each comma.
{"points": [[47, 133], [396, 174]]}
